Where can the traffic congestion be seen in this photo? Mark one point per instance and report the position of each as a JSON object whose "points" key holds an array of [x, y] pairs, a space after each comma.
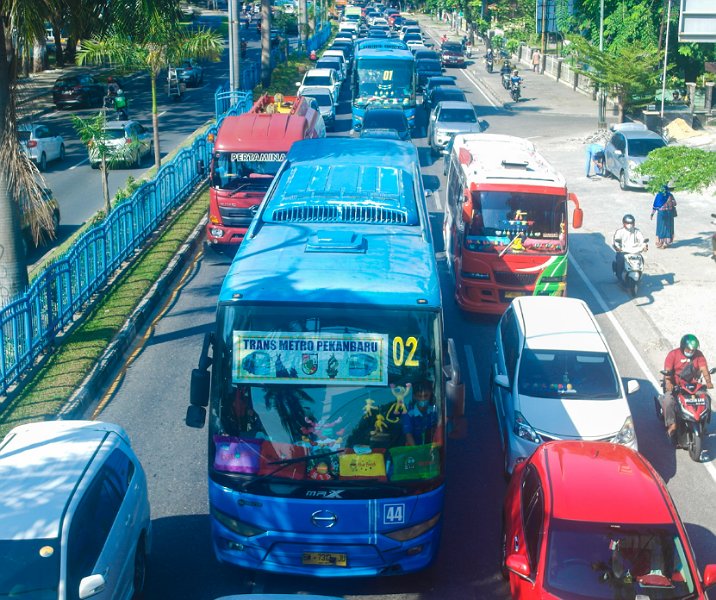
{"points": [[385, 375]]}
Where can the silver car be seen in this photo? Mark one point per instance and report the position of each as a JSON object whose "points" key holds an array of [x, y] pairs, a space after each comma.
{"points": [[449, 118], [74, 508], [127, 141], [325, 103], [41, 144], [628, 147]]}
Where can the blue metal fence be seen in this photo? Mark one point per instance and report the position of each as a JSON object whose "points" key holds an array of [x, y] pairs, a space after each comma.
{"points": [[30, 323]]}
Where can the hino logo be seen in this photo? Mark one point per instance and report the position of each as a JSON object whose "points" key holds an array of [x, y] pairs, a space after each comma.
{"points": [[333, 494], [324, 518]]}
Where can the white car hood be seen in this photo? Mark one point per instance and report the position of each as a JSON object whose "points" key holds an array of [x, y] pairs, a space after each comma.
{"points": [[573, 418]]}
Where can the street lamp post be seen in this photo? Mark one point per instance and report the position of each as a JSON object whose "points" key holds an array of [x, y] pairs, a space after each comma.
{"points": [[666, 56], [601, 98]]}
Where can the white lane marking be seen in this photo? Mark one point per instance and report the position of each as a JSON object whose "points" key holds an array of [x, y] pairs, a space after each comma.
{"points": [[79, 163], [627, 342], [438, 201], [474, 381], [479, 89]]}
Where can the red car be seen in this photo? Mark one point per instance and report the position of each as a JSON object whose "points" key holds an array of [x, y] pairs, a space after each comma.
{"points": [[587, 520]]}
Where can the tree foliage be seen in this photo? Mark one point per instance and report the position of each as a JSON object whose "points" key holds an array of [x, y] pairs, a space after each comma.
{"points": [[681, 167]]}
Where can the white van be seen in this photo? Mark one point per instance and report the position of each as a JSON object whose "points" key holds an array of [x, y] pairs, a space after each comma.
{"points": [[554, 378]]}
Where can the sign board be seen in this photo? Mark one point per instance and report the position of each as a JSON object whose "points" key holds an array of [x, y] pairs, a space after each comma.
{"points": [[697, 21], [552, 11]]}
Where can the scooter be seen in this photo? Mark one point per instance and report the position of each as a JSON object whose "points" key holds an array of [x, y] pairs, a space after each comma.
{"points": [[693, 414], [633, 270], [515, 91], [489, 63], [506, 78]]}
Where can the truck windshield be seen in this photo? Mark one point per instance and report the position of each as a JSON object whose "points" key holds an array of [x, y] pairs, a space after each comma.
{"points": [[231, 169], [384, 79], [303, 382], [523, 221]]}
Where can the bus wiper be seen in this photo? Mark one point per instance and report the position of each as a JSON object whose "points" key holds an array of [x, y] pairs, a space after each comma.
{"points": [[289, 461], [510, 244]]}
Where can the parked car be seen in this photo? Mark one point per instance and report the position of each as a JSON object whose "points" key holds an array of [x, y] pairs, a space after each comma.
{"points": [[190, 73], [628, 147], [449, 118], [75, 508], [322, 78], [425, 69], [378, 121], [452, 54], [41, 143], [326, 103], [595, 520], [554, 378], [129, 143], [77, 91]]}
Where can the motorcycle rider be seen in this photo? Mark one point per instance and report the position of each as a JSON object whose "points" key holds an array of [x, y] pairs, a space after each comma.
{"points": [[505, 71], [685, 365], [627, 240]]}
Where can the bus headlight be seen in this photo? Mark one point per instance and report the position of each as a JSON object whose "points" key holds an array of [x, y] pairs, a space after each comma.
{"points": [[626, 434], [216, 232], [409, 533], [235, 525], [524, 430]]}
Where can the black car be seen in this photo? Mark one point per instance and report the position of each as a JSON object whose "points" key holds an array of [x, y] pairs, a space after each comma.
{"points": [[452, 54], [374, 33], [427, 68], [385, 122], [420, 54], [434, 82], [444, 93], [78, 90]]}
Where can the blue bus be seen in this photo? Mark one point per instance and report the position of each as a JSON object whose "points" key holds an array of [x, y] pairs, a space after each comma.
{"points": [[383, 75], [329, 380]]}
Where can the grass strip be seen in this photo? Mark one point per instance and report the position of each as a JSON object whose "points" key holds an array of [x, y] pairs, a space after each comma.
{"points": [[52, 385]]}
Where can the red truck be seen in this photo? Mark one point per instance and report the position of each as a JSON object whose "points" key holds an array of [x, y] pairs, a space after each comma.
{"points": [[248, 151]]}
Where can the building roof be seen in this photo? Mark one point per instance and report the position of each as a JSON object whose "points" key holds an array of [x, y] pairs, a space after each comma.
{"points": [[603, 483]]}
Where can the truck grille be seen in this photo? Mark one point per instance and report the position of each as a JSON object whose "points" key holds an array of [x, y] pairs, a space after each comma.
{"points": [[515, 279], [237, 217]]}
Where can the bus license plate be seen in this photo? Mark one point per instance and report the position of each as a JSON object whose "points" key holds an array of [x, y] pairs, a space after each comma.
{"points": [[329, 559]]}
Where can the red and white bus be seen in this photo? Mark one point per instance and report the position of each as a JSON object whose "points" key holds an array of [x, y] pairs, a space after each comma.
{"points": [[506, 222]]}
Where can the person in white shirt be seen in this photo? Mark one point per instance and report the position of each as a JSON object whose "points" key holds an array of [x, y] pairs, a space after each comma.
{"points": [[627, 240]]}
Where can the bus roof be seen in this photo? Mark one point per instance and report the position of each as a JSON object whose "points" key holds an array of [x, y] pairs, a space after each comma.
{"points": [[345, 249], [493, 159], [385, 54], [252, 132]]}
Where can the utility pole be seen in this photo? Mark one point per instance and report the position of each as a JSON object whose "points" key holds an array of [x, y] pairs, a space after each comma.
{"points": [[601, 98], [234, 46], [544, 26], [666, 57]]}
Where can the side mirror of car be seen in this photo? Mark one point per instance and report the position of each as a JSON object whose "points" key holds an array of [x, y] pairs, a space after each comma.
{"points": [[518, 565], [91, 586], [709, 574], [632, 386], [502, 381], [298, 84]]}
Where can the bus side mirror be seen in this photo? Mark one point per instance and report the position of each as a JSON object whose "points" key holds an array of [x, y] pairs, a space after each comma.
{"points": [[577, 218], [199, 390], [195, 416], [467, 210], [455, 392]]}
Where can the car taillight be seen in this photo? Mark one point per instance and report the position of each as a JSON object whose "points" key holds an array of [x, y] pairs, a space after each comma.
{"points": [[31, 144]]}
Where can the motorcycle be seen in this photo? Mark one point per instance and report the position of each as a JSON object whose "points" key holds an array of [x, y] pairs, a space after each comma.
{"points": [[468, 50], [489, 63], [515, 91], [506, 78], [693, 414], [633, 270]]}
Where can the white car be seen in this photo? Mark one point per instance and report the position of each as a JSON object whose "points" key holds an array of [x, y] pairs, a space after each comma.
{"points": [[128, 142], [41, 144], [340, 56], [74, 513], [321, 78], [554, 378]]}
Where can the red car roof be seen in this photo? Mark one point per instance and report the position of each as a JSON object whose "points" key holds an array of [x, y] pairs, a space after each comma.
{"points": [[605, 483]]}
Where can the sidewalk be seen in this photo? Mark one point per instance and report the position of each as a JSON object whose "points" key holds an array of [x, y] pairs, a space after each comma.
{"points": [[680, 281]]}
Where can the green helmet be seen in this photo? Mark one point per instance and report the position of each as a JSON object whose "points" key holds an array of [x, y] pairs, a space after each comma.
{"points": [[689, 344]]}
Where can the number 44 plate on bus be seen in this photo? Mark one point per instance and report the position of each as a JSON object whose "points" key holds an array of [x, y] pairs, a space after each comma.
{"points": [[329, 559]]}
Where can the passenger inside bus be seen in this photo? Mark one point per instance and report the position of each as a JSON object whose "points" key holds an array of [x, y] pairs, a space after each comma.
{"points": [[421, 421]]}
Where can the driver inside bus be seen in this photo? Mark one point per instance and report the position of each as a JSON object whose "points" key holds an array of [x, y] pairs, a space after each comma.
{"points": [[421, 421], [243, 416]]}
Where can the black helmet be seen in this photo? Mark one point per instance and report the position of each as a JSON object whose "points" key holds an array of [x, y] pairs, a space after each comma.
{"points": [[689, 344], [628, 219]]}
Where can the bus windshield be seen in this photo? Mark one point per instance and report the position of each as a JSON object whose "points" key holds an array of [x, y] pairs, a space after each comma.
{"points": [[238, 169], [517, 222], [342, 394], [384, 79]]}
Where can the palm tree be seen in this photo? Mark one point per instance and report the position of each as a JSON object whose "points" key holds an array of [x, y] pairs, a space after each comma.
{"points": [[159, 43], [20, 185]]}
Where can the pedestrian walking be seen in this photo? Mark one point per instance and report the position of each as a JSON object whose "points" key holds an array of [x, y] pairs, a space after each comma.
{"points": [[536, 60], [665, 209]]}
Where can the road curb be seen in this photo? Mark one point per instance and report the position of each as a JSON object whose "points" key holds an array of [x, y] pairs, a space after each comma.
{"points": [[86, 393]]}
